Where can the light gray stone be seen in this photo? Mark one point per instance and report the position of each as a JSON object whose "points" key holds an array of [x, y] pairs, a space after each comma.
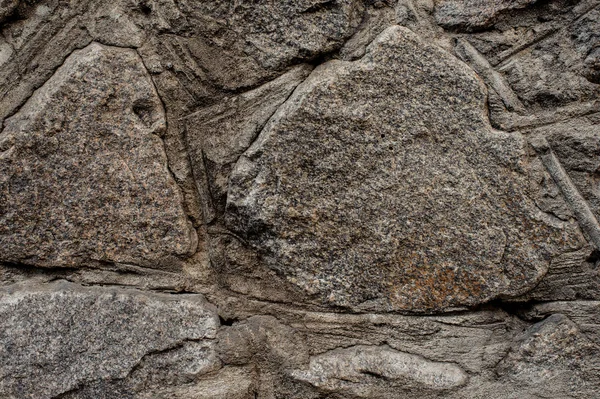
{"points": [[229, 383], [554, 350], [350, 369], [83, 173], [474, 341], [7, 7], [380, 184], [61, 336]]}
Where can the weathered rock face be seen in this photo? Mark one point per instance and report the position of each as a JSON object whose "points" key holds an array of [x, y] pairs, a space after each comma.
{"points": [[472, 15], [84, 175], [276, 33], [553, 349], [360, 191], [301, 199], [61, 336], [217, 136]]}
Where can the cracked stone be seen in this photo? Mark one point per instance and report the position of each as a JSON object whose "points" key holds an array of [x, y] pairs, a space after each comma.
{"points": [[218, 135], [274, 33], [472, 15], [553, 350], [380, 184], [83, 172], [344, 370]]}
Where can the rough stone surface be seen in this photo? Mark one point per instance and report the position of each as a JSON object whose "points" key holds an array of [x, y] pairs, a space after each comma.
{"points": [[473, 14], [360, 191], [391, 199], [7, 7], [553, 350], [84, 175], [60, 336], [334, 371]]}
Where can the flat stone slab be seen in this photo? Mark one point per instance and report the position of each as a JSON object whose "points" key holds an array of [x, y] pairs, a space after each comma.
{"points": [[83, 172], [60, 336], [381, 184]]}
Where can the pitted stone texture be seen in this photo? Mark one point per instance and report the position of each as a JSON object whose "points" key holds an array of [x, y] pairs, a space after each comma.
{"points": [[83, 173], [232, 45], [61, 336], [274, 32], [380, 184]]}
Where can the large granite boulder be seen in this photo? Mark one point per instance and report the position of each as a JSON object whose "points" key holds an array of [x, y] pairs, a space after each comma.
{"points": [[381, 184]]}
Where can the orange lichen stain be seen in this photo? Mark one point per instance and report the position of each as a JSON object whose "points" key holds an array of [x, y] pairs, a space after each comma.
{"points": [[430, 286]]}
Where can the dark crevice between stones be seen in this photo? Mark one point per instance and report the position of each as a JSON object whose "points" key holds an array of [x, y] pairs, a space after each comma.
{"points": [[516, 309], [322, 58], [11, 18], [369, 373], [594, 257], [324, 6], [228, 321], [19, 272], [67, 393], [23, 267], [144, 108], [145, 7], [524, 311], [217, 224]]}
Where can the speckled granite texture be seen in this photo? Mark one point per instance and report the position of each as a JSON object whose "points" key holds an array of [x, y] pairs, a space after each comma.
{"points": [[313, 199]]}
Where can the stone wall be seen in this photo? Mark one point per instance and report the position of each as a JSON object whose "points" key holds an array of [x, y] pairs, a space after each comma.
{"points": [[219, 199]]}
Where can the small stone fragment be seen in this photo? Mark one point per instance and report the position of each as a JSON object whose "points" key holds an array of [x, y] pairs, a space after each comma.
{"points": [[345, 369]]}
